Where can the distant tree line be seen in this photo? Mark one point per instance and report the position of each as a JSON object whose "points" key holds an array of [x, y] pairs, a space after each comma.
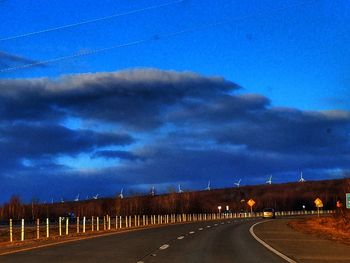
{"points": [[281, 197]]}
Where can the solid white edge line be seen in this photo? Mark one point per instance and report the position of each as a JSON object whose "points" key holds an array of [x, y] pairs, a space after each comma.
{"points": [[251, 230]]}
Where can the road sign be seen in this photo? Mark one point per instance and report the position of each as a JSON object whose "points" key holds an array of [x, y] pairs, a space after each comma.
{"points": [[318, 202], [251, 202], [348, 200]]}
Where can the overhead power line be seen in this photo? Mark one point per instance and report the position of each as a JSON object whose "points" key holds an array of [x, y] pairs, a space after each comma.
{"points": [[126, 13], [150, 39]]}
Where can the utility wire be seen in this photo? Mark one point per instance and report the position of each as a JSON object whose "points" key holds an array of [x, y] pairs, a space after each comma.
{"points": [[51, 29], [151, 39]]}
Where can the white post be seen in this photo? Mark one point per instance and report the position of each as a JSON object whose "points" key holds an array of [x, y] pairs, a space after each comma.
{"points": [[37, 228], [135, 218], [97, 224], [126, 221], [78, 228], [116, 222], [60, 226], [120, 222], [84, 221], [67, 226], [92, 224], [22, 231], [11, 231], [109, 223], [47, 228]]}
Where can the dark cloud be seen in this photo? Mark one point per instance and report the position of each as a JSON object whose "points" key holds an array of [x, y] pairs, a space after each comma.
{"points": [[124, 155], [19, 141], [188, 128], [136, 98], [290, 131], [249, 120]]}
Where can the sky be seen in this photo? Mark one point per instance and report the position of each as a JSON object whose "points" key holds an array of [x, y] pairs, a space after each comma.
{"points": [[100, 96]]}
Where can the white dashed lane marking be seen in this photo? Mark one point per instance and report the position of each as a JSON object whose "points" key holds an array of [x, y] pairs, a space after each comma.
{"points": [[165, 246], [200, 229], [191, 232], [181, 237], [208, 226]]}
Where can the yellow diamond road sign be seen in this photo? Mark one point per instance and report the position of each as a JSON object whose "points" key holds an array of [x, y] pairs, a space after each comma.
{"points": [[318, 202], [251, 202]]}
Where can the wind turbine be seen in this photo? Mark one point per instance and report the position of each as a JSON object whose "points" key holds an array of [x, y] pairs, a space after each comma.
{"points": [[301, 180], [208, 187], [121, 196], [180, 190], [238, 183], [269, 181], [95, 196], [153, 192], [77, 198]]}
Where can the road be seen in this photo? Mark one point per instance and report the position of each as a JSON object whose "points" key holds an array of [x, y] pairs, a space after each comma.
{"points": [[224, 241]]}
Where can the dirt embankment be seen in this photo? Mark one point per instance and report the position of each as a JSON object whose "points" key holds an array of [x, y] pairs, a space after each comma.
{"points": [[334, 228]]}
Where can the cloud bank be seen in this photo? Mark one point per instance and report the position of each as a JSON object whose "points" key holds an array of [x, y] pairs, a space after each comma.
{"points": [[98, 132]]}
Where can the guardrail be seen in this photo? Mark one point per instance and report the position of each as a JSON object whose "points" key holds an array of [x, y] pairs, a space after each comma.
{"points": [[21, 230]]}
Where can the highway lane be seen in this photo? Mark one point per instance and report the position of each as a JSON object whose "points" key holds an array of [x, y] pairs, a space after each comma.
{"points": [[220, 241]]}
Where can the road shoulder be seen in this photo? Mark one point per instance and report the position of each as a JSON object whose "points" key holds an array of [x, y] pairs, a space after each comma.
{"points": [[299, 246]]}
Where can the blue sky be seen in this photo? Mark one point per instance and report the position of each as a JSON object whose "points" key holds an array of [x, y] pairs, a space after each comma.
{"points": [[271, 67]]}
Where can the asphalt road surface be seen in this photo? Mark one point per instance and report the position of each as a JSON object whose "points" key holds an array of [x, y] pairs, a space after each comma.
{"points": [[223, 241]]}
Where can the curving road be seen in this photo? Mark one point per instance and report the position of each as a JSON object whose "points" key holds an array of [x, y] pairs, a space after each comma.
{"points": [[224, 241]]}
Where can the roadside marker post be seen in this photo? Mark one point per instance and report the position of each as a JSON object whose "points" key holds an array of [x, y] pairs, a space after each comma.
{"points": [[37, 228], [47, 228], [84, 222], [67, 226], [60, 226], [22, 230], [11, 231], [78, 228]]}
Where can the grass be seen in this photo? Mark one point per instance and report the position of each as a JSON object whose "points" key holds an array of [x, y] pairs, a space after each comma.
{"points": [[335, 228]]}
